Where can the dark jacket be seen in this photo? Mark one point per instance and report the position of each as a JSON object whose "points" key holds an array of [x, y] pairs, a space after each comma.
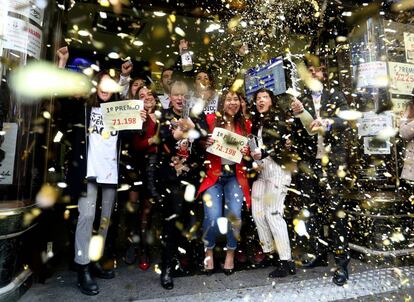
{"points": [[307, 145], [277, 128], [169, 151]]}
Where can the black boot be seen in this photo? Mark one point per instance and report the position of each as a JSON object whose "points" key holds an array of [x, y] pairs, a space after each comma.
{"points": [[283, 268], [340, 276], [130, 254], [98, 271], [86, 283], [167, 277], [320, 260]]}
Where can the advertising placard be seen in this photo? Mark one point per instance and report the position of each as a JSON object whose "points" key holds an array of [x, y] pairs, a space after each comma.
{"points": [[409, 47], [371, 123], [8, 153], [402, 77], [227, 144], [122, 115], [22, 36], [372, 74]]}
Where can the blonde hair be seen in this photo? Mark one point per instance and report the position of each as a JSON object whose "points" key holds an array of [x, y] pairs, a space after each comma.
{"points": [[179, 85]]}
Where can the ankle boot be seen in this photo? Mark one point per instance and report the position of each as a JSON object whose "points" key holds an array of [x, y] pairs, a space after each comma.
{"points": [[130, 254], [340, 276], [284, 268], [167, 277], [98, 271], [86, 282], [320, 260]]}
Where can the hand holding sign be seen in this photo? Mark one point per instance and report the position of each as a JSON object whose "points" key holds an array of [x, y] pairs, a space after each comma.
{"points": [[228, 145]]}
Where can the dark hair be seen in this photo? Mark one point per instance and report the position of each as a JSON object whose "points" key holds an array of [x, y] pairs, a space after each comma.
{"points": [[275, 112], [210, 77], [94, 100], [239, 118], [166, 69], [129, 95], [157, 100], [314, 62]]}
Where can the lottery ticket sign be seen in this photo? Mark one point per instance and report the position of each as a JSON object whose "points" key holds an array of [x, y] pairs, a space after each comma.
{"points": [[122, 115], [227, 144], [402, 77]]}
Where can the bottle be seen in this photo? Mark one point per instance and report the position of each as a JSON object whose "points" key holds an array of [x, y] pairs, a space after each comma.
{"points": [[186, 60]]}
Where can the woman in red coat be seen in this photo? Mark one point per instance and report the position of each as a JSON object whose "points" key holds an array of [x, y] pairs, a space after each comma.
{"points": [[225, 183]]}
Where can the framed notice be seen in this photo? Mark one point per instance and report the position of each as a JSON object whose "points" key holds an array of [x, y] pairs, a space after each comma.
{"points": [[372, 74], [372, 123], [375, 146], [402, 77], [409, 47], [227, 144], [8, 153], [122, 115]]}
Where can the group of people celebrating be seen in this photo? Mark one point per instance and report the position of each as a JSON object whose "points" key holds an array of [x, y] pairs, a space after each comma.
{"points": [[300, 147]]}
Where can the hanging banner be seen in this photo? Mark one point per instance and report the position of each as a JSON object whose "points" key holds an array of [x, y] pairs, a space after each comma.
{"points": [[8, 153], [227, 144], [402, 77], [122, 115], [409, 47]]}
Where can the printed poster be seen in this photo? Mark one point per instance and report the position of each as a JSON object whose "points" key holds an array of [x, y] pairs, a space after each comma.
{"points": [[401, 77], [372, 74], [22, 36], [8, 153], [27, 9], [409, 47], [122, 115], [371, 123], [227, 144], [375, 146]]}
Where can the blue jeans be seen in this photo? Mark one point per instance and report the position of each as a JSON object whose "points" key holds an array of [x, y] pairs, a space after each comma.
{"points": [[228, 187]]}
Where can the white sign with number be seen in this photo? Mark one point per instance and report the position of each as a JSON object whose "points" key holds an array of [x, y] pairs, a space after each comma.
{"points": [[122, 115], [227, 144], [402, 77]]}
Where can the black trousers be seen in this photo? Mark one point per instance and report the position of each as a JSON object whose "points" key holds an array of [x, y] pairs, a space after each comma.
{"points": [[178, 217], [322, 194]]}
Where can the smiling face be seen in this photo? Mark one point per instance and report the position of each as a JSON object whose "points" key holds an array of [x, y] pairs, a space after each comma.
{"points": [[149, 101], [263, 102], [231, 104], [138, 83], [104, 95], [179, 92], [202, 81]]}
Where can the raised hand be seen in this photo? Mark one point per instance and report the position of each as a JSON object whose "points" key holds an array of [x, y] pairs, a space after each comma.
{"points": [[63, 54], [126, 68]]}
